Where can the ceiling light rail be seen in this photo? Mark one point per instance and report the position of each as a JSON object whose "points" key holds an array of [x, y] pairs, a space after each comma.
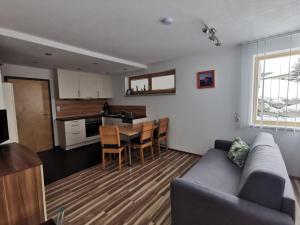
{"points": [[211, 32]]}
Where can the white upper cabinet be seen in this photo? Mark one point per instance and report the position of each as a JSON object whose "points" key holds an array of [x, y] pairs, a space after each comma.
{"points": [[68, 84], [81, 85], [104, 86], [88, 85]]}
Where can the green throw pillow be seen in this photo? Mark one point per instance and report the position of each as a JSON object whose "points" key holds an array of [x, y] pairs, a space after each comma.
{"points": [[238, 152]]}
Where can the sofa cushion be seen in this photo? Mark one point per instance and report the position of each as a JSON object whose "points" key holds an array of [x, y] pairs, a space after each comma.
{"points": [[238, 152], [263, 177], [215, 171], [263, 138], [288, 201]]}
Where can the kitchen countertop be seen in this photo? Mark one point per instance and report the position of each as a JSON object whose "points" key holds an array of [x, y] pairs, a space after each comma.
{"points": [[68, 118], [78, 117]]}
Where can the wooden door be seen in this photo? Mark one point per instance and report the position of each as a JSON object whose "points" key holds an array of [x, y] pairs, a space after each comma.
{"points": [[33, 110]]}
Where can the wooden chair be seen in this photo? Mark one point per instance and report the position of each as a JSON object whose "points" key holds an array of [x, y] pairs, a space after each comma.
{"points": [[111, 144], [162, 133], [146, 140]]}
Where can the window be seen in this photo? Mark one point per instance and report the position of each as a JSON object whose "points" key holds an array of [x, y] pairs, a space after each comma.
{"points": [[276, 89], [140, 84], [154, 83]]}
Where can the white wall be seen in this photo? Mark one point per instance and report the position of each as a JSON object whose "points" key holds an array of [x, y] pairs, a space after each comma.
{"points": [[38, 73], [9, 103], [1, 92], [198, 117]]}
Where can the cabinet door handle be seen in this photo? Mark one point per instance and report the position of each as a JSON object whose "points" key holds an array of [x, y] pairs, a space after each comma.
{"points": [[75, 125], [78, 92], [76, 133]]}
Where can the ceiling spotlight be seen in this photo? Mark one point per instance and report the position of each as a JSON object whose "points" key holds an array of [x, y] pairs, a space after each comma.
{"points": [[48, 54], [205, 29], [212, 31], [167, 20], [212, 37], [95, 63], [218, 43]]}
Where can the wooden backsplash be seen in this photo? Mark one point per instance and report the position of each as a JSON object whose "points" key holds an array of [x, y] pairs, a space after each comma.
{"points": [[137, 110], [78, 107], [69, 108]]}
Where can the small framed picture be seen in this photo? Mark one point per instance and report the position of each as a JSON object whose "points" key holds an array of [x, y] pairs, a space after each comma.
{"points": [[206, 79]]}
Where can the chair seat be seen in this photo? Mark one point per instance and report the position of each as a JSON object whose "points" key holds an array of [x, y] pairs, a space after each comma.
{"points": [[155, 135], [137, 141], [123, 144]]}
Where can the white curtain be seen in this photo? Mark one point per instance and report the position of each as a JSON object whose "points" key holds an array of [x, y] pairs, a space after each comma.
{"points": [[275, 63]]}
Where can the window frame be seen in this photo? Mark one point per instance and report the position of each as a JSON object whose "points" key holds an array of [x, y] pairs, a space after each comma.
{"points": [[149, 77], [255, 90]]}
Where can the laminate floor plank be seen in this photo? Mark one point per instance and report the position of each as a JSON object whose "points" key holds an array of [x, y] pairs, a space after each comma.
{"points": [[135, 195]]}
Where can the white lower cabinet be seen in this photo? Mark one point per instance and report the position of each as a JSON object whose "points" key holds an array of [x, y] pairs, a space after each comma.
{"points": [[75, 137], [72, 134]]}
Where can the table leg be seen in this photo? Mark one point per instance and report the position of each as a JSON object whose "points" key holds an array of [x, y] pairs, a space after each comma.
{"points": [[129, 152]]}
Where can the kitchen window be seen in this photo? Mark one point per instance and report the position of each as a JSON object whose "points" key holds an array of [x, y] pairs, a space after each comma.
{"points": [[154, 83], [276, 90]]}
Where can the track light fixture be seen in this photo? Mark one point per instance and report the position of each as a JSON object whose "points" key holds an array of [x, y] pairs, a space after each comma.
{"points": [[211, 32], [205, 29], [212, 37], [217, 42]]}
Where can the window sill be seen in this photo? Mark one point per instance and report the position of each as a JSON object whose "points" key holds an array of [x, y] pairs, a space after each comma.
{"points": [[152, 94], [275, 127]]}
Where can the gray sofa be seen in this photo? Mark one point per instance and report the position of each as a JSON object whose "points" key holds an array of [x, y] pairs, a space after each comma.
{"points": [[217, 192]]}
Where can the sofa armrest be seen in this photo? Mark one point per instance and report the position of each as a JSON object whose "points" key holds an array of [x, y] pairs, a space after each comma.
{"points": [[192, 203], [223, 145]]}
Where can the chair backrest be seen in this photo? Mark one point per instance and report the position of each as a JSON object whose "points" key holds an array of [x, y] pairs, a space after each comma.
{"points": [[147, 131], [163, 126], [110, 135]]}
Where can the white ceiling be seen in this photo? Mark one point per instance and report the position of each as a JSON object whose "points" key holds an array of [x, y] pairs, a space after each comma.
{"points": [[130, 29], [31, 54]]}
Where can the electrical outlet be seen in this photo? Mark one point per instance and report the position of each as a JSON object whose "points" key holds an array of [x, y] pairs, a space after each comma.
{"points": [[237, 117], [58, 108]]}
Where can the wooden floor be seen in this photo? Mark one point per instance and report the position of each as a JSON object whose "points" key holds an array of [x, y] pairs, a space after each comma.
{"points": [[136, 195]]}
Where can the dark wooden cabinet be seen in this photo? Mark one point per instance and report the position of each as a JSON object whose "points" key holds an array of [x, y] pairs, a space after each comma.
{"points": [[22, 197]]}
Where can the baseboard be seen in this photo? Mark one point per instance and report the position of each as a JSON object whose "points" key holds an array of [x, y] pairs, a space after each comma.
{"points": [[177, 150], [294, 177]]}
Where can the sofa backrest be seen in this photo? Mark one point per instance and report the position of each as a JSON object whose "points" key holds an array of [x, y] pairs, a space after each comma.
{"points": [[264, 176]]}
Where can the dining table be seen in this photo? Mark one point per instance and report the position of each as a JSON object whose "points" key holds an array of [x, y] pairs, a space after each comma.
{"points": [[131, 131]]}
